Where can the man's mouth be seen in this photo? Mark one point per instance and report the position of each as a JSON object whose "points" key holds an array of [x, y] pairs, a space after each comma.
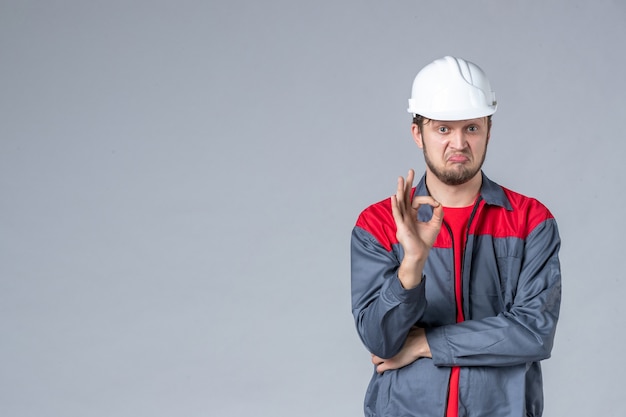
{"points": [[458, 158]]}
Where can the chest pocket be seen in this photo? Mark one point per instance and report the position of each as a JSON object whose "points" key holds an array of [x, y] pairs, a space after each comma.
{"points": [[495, 267]]}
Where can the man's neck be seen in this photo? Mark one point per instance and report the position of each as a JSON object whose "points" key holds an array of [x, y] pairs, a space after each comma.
{"points": [[454, 195]]}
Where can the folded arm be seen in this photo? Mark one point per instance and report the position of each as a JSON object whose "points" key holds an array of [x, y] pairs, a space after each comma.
{"points": [[525, 332]]}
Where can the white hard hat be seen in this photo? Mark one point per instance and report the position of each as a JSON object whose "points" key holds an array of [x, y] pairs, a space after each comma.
{"points": [[452, 89]]}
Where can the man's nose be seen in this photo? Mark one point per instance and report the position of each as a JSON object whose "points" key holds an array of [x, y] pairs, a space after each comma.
{"points": [[457, 139]]}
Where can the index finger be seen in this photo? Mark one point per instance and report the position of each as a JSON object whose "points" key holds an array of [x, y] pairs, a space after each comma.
{"points": [[424, 199]]}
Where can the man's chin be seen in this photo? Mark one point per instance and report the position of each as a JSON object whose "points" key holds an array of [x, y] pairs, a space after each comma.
{"points": [[455, 178]]}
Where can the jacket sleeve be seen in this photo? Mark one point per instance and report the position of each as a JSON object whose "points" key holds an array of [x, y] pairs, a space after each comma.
{"points": [[383, 310], [525, 332]]}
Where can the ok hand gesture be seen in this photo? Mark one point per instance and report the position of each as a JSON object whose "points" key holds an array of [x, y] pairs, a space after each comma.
{"points": [[415, 237]]}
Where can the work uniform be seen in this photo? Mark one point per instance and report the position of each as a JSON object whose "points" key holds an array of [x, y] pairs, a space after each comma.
{"points": [[511, 291]]}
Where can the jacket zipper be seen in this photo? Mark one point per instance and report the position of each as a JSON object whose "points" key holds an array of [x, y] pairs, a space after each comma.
{"points": [[456, 310], [467, 229]]}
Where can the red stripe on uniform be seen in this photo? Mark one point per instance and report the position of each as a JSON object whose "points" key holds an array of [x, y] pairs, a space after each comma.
{"points": [[496, 221], [377, 219]]}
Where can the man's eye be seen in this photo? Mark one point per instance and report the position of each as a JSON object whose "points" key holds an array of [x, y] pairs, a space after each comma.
{"points": [[472, 129], [443, 129]]}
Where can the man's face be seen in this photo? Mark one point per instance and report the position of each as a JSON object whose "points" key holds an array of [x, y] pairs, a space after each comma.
{"points": [[454, 151]]}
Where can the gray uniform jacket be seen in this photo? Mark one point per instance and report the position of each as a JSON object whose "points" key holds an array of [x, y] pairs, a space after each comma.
{"points": [[511, 284]]}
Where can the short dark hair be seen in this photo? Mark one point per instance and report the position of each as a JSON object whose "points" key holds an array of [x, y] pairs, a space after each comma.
{"points": [[418, 119]]}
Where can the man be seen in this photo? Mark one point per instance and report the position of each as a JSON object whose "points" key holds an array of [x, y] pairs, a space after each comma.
{"points": [[456, 283]]}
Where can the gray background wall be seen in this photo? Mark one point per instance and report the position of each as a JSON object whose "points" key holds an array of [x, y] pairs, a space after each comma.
{"points": [[179, 179]]}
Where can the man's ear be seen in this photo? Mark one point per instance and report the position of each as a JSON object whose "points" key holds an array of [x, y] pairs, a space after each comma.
{"points": [[417, 135]]}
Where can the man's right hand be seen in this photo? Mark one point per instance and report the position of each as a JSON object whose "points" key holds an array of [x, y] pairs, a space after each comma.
{"points": [[415, 347], [415, 237]]}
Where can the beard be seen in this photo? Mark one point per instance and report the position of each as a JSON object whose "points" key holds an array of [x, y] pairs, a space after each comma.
{"points": [[456, 175]]}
